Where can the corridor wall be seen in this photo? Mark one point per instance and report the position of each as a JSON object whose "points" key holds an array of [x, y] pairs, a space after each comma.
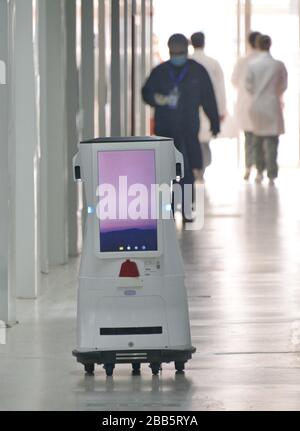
{"points": [[46, 106]]}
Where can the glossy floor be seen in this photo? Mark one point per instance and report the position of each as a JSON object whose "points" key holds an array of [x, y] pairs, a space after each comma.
{"points": [[243, 281]]}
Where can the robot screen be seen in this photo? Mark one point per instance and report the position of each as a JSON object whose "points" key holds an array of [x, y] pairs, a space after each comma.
{"points": [[127, 201]]}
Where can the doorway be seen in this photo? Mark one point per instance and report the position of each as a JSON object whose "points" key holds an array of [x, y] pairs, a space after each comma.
{"points": [[226, 25]]}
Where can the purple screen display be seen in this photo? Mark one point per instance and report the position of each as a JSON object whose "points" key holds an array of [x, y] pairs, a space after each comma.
{"points": [[125, 171]]}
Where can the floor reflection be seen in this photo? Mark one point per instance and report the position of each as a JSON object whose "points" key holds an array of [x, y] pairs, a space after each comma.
{"points": [[134, 392]]}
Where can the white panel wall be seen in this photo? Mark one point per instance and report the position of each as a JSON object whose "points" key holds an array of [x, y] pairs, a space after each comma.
{"points": [[102, 70], [118, 105], [54, 169], [4, 193], [131, 63], [146, 66], [87, 75], [126, 42], [104, 63], [49, 214], [72, 103], [27, 157], [7, 164]]}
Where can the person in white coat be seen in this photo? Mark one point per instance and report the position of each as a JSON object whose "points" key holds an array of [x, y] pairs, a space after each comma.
{"points": [[244, 99], [266, 81], [217, 78]]}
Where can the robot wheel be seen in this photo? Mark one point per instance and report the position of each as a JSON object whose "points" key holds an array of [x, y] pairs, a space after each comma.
{"points": [[89, 369], [109, 369]]}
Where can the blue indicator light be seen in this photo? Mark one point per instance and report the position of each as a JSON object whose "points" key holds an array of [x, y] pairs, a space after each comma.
{"points": [[90, 210], [130, 292]]}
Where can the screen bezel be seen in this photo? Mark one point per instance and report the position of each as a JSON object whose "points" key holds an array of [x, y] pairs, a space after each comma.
{"points": [[142, 146]]}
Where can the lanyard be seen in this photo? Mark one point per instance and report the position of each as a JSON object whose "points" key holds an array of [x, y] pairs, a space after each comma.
{"points": [[177, 80]]}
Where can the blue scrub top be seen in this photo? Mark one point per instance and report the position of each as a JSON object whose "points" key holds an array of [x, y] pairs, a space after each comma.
{"points": [[183, 123]]}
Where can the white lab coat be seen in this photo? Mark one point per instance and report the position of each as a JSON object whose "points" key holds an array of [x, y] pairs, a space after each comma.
{"points": [[217, 78], [266, 81], [244, 98]]}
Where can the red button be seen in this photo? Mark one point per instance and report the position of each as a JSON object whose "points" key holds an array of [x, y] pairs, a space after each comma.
{"points": [[129, 270]]}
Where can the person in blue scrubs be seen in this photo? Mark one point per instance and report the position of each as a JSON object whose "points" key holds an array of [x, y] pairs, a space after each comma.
{"points": [[177, 89]]}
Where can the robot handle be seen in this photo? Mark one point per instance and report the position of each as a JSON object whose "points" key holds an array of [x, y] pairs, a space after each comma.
{"points": [[179, 165], [76, 168]]}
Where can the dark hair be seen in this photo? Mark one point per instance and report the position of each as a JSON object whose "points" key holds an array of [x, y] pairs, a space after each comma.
{"points": [[264, 42], [178, 44], [198, 40], [252, 38]]}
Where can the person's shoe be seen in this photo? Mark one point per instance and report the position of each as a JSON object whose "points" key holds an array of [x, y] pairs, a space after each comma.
{"points": [[259, 178], [199, 176], [188, 219], [247, 174]]}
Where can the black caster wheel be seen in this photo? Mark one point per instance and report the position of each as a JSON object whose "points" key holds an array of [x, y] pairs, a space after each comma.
{"points": [[109, 369], [89, 369], [179, 366], [155, 367], [136, 369]]}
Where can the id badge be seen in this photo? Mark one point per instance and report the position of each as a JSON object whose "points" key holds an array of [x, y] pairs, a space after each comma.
{"points": [[174, 98]]}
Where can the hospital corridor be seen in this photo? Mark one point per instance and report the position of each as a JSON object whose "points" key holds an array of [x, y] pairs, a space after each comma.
{"points": [[114, 297], [243, 287]]}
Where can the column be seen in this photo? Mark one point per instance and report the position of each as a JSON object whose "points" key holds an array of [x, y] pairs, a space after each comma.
{"points": [[104, 66], [7, 164], [87, 75], [54, 169], [146, 60], [136, 67], [298, 11], [72, 102], [117, 68], [248, 16], [4, 171], [27, 157], [128, 60]]}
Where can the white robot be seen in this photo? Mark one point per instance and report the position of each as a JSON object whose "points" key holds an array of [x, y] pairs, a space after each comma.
{"points": [[132, 302]]}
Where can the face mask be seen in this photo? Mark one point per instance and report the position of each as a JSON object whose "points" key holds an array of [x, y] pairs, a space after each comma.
{"points": [[179, 60]]}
